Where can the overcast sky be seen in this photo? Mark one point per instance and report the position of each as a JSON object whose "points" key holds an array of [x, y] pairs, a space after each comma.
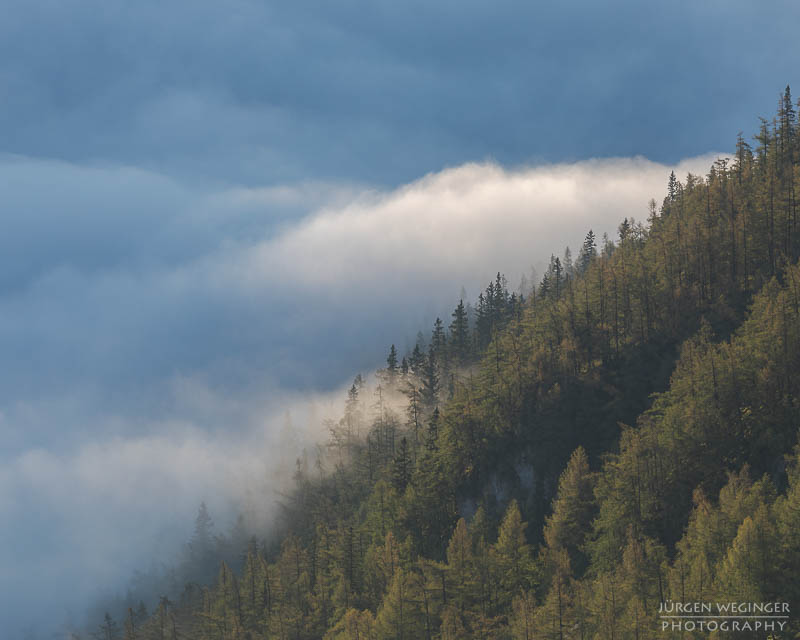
{"points": [[212, 212]]}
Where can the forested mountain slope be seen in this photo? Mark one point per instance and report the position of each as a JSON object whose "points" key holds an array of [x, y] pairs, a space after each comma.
{"points": [[555, 463]]}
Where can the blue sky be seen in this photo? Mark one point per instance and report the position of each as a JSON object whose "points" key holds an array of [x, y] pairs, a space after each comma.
{"points": [[215, 212]]}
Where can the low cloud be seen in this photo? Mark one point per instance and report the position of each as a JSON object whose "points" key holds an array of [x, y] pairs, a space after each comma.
{"points": [[156, 334], [457, 226]]}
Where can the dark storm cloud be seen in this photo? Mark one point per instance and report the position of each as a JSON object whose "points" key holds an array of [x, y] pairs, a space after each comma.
{"points": [[265, 92]]}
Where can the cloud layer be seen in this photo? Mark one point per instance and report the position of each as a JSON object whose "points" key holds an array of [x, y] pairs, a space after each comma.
{"points": [[253, 92], [458, 226]]}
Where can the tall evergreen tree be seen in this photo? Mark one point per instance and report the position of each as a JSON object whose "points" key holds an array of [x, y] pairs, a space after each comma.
{"points": [[459, 334], [432, 437], [430, 381], [574, 510], [511, 555], [391, 365], [587, 252], [401, 473]]}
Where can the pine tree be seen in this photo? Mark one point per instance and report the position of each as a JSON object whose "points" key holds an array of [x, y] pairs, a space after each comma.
{"points": [[573, 511], [438, 339], [587, 253], [672, 187], [748, 569], [452, 627], [461, 568], [131, 626], [512, 563], [430, 381], [608, 246], [483, 321], [569, 268], [400, 616], [556, 613], [522, 621], [391, 365], [416, 361], [352, 412], [642, 579], [108, 630], [787, 117], [432, 437], [545, 286], [459, 334], [201, 548], [552, 282], [354, 625], [401, 472]]}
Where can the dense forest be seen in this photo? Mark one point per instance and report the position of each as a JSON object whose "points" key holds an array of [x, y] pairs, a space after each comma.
{"points": [[554, 462]]}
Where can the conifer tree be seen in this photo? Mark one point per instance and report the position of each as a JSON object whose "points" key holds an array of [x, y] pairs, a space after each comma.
{"points": [[556, 613], [108, 630], [747, 571], [459, 334], [354, 625], [429, 393], [432, 436], [573, 511], [511, 557], [587, 252], [566, 262], [401, 473], [400, 616], [352, 412], [416, 361], [452, 627], [461, 568], [391, 365]]}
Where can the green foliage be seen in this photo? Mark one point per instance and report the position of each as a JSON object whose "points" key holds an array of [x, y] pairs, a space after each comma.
{"points": [[568, 527], [512, 563]]}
